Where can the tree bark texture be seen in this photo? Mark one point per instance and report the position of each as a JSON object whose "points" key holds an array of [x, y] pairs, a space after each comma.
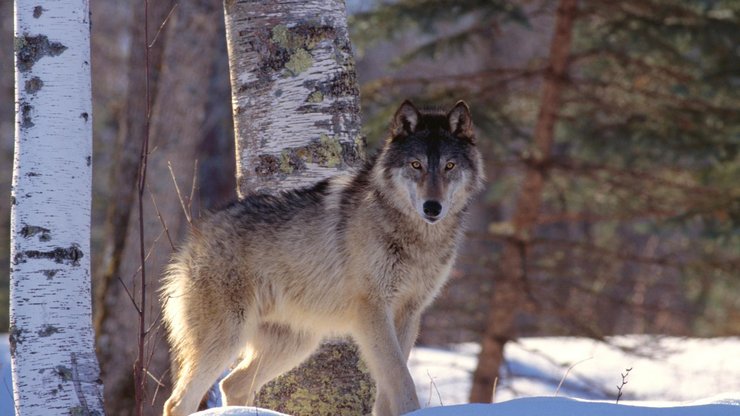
{"points": [[176, 131], [509, 292], [55, 370], [295, 103], [294, 92]]}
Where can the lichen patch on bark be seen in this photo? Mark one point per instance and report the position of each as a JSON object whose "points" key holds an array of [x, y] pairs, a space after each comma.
{"points": [[343, 84], [26, 119], [326, 151], [64, 372], [47, 331], [33, 85], [29, 231], [299, 61], [305, 35], [291, 46], [29, 49], [267, 165], [315, 97], [17, 336]]}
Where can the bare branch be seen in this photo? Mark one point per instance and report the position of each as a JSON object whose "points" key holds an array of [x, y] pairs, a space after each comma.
{"points": [[192, 189], [562, 380], [164, 23], [161, 220], [130, 296], [179, 195]]}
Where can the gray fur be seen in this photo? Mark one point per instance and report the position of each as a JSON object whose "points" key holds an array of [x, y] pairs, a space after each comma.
{"points": [[266, 278]]}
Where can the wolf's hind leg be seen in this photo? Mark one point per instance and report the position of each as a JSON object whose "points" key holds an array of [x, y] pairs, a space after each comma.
{"points": [[208, 355], [277, 349]]}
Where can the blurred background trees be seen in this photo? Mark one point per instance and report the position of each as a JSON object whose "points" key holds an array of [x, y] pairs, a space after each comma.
{"points": [[638, 229]]}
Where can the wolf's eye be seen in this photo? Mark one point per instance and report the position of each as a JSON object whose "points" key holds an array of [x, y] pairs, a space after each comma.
{"points": [[416, 164], [449, 166]]}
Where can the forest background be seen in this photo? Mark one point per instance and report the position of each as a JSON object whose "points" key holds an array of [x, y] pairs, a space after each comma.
{"points": [[636, 225]]}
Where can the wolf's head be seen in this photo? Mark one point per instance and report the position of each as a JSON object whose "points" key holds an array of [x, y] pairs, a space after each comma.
{"points": [[430, 161]]}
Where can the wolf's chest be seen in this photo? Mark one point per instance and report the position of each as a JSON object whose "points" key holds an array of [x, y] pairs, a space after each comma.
{"points": [[415, 266]]}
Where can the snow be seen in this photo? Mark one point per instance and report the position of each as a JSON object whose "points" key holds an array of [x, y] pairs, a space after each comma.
{"points": [[669, 377], [239, 411], [663, 369], [6, 389], [560, 406]]}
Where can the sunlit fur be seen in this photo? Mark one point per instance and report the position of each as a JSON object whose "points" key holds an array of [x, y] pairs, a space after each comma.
{"points": [[266, 278]]}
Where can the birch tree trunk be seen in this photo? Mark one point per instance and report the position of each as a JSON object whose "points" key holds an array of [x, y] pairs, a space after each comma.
{"points": [[55, 370], [509, 292], [296, 116]]}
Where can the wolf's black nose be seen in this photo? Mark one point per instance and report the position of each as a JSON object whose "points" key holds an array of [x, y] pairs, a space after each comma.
{"points": [[432, 208]]}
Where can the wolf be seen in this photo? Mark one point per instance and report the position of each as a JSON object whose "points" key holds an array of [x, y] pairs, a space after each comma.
{"points": [[265, 279]]}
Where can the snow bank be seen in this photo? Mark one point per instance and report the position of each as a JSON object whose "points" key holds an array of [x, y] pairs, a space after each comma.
{"points": [[238, 411], [559, 406], [535, 406]]}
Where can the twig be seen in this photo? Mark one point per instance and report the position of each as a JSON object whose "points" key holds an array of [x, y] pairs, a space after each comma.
{"points": [[433, 384], [159, 384], [164, 22], [130, 296], [495, 384], [179, 196], [140, 380], [562, 380], [193, 187], [148, 254], [624, 382], [161, 220]]}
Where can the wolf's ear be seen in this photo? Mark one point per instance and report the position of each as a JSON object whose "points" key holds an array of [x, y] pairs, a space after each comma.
{"points": [[461, 124], [405, 120]]}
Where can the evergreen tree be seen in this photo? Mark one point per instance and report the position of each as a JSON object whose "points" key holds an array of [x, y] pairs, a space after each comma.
{"points": [[638, 225]]}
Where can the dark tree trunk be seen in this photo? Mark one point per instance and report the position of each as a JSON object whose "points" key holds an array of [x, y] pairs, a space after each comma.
{"points": [[177, 130], [509, 292]]}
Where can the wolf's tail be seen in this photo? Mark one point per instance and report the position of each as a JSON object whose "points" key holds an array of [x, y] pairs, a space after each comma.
{"points": [[173, 295]]}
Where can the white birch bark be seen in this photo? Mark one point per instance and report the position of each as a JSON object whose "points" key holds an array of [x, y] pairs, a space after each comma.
{"points": [[55, 370], [294, 93], [295, 101]]}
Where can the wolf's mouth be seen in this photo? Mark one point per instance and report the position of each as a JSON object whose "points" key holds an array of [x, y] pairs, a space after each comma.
{"points": [[430, 220]]}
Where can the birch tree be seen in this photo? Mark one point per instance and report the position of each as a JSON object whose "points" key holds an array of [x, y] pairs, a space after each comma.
{"points": [[55, 370], [296, 117]]}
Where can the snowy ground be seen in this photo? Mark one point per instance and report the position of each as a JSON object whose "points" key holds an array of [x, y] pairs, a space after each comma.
{"points": [[664, 369], [668, 377], [6, 382]]}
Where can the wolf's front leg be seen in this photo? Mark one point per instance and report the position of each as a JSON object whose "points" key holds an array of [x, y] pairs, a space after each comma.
{"points": [[407, 321], [376, 336]]}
